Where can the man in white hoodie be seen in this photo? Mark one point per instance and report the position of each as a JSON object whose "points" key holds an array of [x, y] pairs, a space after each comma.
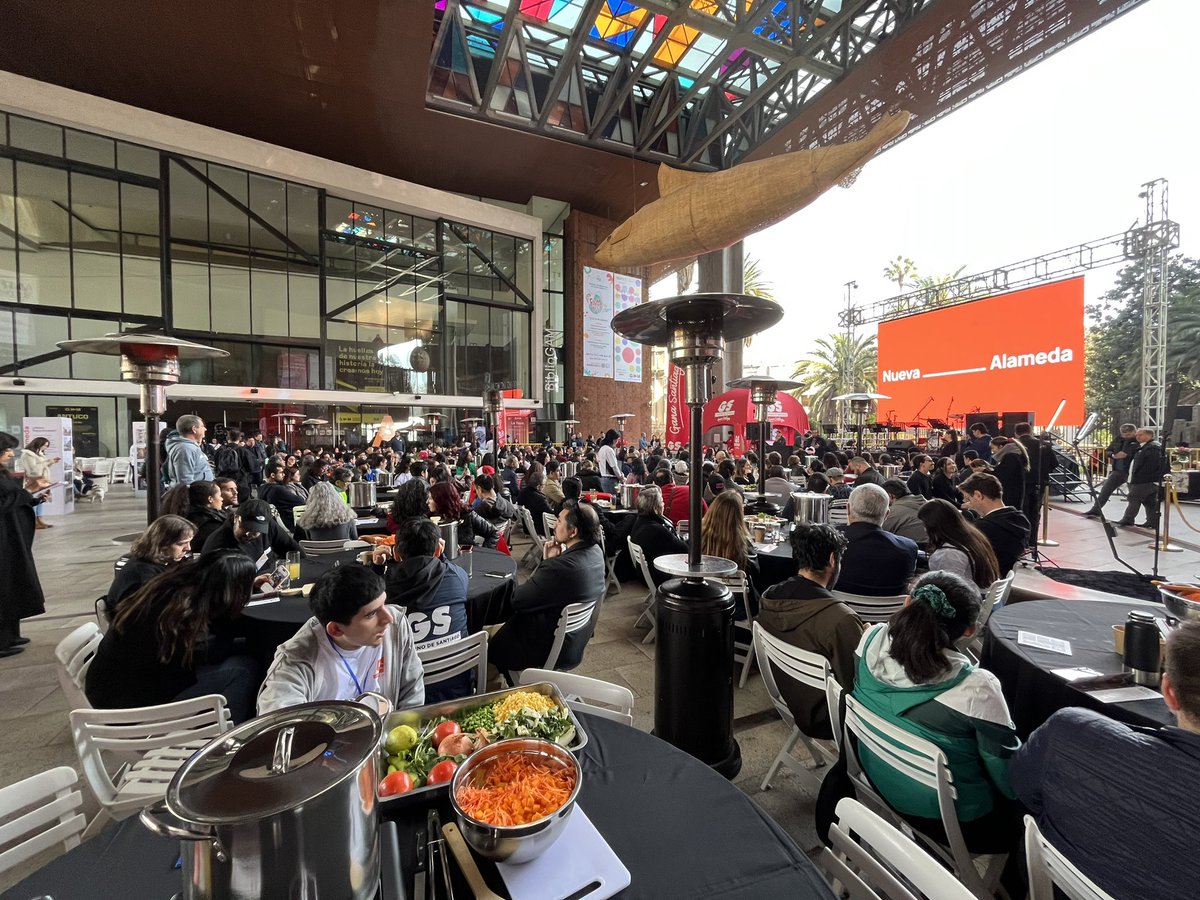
{"points": [[353, 643]]}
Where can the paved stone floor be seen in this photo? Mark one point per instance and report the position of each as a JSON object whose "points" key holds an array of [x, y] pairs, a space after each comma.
{"points": [[75, 564]]}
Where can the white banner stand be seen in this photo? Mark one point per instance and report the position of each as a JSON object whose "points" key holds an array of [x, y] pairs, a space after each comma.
{"points": [[59, 431]]}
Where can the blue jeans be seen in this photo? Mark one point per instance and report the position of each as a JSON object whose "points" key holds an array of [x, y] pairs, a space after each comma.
{"points": [[237, 678]]}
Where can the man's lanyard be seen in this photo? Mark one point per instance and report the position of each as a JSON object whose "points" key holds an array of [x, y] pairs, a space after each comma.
{"points": [[349, 671]]}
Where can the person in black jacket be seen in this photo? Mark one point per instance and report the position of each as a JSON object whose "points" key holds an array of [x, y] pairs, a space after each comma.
{"points": [[1120, 453], [282, 492], [205, 510], [446, 502], [919, 482], [252, 530], [864, 472], [876, 563], [1042, 462], [944, 482], [1011, 465], [22, 594], [572, 571], [1005, 528], [532, 498], [654, 533], [167, 542], [1150, 465]]}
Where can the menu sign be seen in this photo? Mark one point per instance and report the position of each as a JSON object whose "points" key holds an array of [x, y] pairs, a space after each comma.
{"points": [[86, 422]]}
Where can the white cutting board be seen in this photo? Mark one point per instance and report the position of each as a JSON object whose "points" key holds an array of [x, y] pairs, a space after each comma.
{"points": [[578, 858]]}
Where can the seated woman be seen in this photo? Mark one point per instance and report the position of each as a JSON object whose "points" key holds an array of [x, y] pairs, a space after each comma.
{"points": [[412, 502], [446, 501], [326, 517], [944, 481], [723, 533], [171, 640], [533, 499], [956, 545], [167, 542], [909, 673], [205, 505]]}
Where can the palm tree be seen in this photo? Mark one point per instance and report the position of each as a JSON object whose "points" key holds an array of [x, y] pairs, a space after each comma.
{"points": [[755, 284], [838, 365]]}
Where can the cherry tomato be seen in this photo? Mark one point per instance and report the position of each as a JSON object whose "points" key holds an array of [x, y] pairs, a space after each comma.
{"points": [[444, 731], [442, 772], [396, 783]]}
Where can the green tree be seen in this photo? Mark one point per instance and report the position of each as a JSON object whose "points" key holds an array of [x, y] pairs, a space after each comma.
{"points": [[906, 275], [836, 366], [901, 271]]}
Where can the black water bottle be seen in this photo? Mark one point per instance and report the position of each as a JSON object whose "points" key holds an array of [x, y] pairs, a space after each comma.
{"points": [[1142, 656]]}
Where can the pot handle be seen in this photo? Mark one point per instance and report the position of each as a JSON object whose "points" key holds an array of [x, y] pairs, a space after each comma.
{"points": [[153, 818]]}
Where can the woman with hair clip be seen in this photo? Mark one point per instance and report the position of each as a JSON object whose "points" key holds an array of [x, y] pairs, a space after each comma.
{"points": [[956, 545], [723, 533], [21, 592], [446, 502], [326, 517], [167, 542], [171, 640], [205, 510], [909, 673]]}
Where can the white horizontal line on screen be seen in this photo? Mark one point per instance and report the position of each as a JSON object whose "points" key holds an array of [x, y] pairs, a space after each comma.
{"points": [[955, 372]]}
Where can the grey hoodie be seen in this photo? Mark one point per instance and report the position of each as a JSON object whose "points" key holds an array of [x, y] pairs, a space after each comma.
{"points": [[186, 462]]}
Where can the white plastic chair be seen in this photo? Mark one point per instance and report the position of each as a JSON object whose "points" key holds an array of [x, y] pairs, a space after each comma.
{"points": [[589, 695], [993, 599], [103, 468], [1049, 869], [839, 512], [445, 661], [39, 812], [534, 554], [811, 670], [574, 617], [638, 555], [121, 470], [549, 521], [870, 853], [923, 762], [322, 548], [76, 652], [872, 609], [147, 744], [612, 585], [743, 639]]}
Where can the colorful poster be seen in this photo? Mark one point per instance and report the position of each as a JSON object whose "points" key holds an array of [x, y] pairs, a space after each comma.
{"points": [[678, 422], [627, 355], [597, 323], [61, 452]]}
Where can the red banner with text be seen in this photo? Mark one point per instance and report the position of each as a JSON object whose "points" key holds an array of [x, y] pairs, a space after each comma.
{"points": [[678, 430]]}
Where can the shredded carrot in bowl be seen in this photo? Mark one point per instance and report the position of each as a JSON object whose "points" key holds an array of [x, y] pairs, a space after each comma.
{"points": [[516, 789]]}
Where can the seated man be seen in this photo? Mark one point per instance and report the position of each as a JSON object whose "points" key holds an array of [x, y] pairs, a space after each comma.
{"points": [[572, 571], [552, 486], [1120, 801], [838, 489], [876, 563], [492, 506], [902, 514], [253, 530], [653, 533], [802, 612], [433, 593], [353, 643], [676, 497], [1005, 527], [864, 472], [532, 498]]}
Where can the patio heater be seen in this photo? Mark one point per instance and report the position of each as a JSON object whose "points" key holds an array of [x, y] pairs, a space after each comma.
{"points": [[620, 418], [493, 407], [762, 394], [287, 421], [860, 406], [693, 664], [434, 421], [150, 361]]}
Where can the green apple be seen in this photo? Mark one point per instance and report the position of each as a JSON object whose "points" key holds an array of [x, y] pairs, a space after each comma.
{"points": [[401, 738]]}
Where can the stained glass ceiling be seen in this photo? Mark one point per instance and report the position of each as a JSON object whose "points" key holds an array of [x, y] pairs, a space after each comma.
{"points": [[697, 83]]}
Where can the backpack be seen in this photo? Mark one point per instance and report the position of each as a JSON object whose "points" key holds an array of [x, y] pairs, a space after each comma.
{"points": [[229, 461]]}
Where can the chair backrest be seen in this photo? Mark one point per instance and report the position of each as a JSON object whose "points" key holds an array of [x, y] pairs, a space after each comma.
{"points": [[839, 512], [549, 520], [574, 617], [450, 659], [527, 523], [638, 555], [585, 694], [99, 733], [504, 530], [910, 755], [298, 511], [322, 548], [1049, 869], [77, 650], [833, 700], [995, 597], [872, 609], [39, 812], [738, 586], [873, 851], [810, 669], [103, 467]]}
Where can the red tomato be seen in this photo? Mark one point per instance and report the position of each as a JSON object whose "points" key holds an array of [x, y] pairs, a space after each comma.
{"points": [[396, 783], [442, 772], [444, 731]]}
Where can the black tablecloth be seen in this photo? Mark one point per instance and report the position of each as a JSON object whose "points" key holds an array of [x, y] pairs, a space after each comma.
{"points": [[488, 598], [680, 829], [1033, 692]]}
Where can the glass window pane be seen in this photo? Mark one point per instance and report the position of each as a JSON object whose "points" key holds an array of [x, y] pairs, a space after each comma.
{"points": [[140, 160], [268, 200], [189, 205], [524, 277], [93, 365], [424, 233], [3, 128], [8, 353], [500, 338], [8, 253], [228, 222], [96, 257], [41, 137], [44, 227], [302, 217], [230, 293], [36, 335], [269, 303], [398, 227], [140, 251], [304, 298], [520, 352], [91, 148], [189, 295], [142, 285]]}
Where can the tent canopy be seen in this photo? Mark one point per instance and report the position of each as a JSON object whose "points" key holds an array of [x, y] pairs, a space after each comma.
{"points": [[735, 409]]}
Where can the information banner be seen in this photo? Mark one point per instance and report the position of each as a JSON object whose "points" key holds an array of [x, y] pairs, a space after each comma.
{"points": [[627, 355], [678, 424], [357, 367], [62, 450], [86, 426], [597, 323]]}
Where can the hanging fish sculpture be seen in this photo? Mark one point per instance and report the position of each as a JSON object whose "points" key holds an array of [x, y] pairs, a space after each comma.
{"points": [[697, 212]]}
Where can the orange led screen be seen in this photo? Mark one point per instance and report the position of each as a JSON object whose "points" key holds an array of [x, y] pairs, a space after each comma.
{"points": [[1015, 352]]}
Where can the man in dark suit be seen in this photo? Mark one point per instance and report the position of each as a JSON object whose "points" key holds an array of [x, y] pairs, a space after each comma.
{"points": [[1042, 462], [653, 533], [1150, 465], [572, 571], [876, 563]]}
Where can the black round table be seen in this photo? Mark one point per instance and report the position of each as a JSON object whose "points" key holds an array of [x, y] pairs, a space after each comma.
{"points": [[681, 829], [490, 587], [1033, 691]]}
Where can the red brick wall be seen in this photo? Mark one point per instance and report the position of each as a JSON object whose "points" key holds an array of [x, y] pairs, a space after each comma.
{"points": [[596, 399]]}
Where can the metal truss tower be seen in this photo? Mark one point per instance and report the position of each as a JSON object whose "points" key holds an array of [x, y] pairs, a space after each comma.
{"points": [[1151, 243]]}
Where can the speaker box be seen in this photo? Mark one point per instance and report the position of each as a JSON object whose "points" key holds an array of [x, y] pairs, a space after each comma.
{"points": [[989, 420], [1012, 419], [905, 446]]}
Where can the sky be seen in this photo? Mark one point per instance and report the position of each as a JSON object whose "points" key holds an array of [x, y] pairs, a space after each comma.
{"points": [[1054, 157]]}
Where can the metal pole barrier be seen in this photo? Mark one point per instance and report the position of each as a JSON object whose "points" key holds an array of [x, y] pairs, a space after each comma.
{"points": [[1163, 543], [1044, 540]]}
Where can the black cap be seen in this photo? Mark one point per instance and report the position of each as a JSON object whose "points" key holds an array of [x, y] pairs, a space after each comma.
{"points": [[255, 515]]}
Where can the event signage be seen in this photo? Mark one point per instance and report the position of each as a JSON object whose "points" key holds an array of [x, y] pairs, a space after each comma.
{"points": [[86, 426], [627, 354], [357, 367], [678, 425], [597, 323], [58, 431]]}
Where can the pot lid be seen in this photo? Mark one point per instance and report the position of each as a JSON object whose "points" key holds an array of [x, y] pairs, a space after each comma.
{"points": [[276, 762]]}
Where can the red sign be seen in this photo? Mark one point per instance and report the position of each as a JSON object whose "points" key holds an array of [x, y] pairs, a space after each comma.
{"points": [[678, 430]]}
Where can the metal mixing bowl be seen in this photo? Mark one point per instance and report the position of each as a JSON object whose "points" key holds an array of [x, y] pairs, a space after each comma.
{"points": [[1180, 607], [516, 843]]}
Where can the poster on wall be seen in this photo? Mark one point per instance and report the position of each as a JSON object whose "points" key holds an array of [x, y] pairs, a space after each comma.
{"points": [[678, 424], [356, 367], [137, 452], [61, 451], [597, 323], [86, 422], [627, 354]]}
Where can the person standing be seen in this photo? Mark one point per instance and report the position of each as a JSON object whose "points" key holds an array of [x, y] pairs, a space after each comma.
{"points": [[979, 441], [21, 591], [606, 459], [1042, 462], [1120, 453], [186, 461], [37, 468], [1011, 466], [1146, 473], [231, 463]]}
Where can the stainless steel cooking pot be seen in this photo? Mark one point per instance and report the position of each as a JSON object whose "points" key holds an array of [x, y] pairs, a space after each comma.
{"points": [[813, 508], [450, 536], [569, 469], [890, 471], [282, 807], [361, 493], [629, 495], [383, 480]]}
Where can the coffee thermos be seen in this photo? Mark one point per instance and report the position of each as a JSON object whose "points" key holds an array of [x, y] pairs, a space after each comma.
{"points": [[1142, 654]]}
